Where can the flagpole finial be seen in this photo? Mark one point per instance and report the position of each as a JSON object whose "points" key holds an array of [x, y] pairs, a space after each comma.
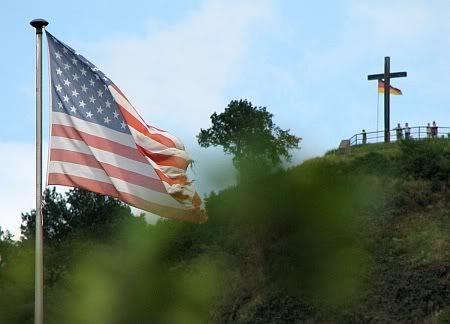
{"points": [[39, 24]]}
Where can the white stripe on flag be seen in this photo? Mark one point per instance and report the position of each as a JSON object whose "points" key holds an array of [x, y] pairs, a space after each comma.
{"points": [[156, 147], [93, 129]]}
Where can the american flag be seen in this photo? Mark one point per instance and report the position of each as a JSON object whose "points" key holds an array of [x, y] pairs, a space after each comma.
{"points": [[100, 143]]}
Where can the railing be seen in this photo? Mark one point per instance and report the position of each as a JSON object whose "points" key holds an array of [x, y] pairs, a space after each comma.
{"points": [[417, 133]]}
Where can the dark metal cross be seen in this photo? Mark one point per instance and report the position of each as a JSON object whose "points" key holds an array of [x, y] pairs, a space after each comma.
{"points": [[386, 77]]}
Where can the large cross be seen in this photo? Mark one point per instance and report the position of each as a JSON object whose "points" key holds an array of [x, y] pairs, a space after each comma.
{"points": [[386, 77]]}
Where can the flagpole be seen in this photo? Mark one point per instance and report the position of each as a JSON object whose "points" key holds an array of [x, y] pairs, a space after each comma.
{"points": [[378, 109], [39, 24]]}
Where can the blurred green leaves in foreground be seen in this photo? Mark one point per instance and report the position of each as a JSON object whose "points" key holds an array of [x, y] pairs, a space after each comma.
{"points": [[336, 239]]}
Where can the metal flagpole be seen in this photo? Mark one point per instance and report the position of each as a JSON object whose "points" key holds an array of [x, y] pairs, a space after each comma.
{"points": [[378, 110], [39, 24]]}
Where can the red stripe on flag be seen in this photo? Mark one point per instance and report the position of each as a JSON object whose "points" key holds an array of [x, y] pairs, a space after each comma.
{"points": [[167, 160], [79, 182], [182, 180], [142, 128], [162, 139], [164, 160], [111, 170]]}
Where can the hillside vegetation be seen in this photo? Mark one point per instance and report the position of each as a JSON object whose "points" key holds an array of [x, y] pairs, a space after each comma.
{"points": [[357, 238]]}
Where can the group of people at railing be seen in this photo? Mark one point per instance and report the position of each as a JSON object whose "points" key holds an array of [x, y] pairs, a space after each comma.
{"points": [[431, 130], [399, 132], [405, 132]]}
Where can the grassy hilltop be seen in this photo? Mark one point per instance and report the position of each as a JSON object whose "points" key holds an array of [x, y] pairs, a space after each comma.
{"points": [[357, 238]]}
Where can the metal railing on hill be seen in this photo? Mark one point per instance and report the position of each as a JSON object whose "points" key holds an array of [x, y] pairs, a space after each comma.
{"points": [[417, 133]]}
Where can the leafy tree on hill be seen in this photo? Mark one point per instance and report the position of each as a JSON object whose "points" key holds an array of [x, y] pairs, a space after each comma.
{"points": [[248, 133]]}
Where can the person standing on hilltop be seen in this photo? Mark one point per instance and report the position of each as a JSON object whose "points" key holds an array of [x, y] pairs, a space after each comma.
{"points": [[364, 136], [434, 130], [399, 132], [407, 132], [428, 131]]}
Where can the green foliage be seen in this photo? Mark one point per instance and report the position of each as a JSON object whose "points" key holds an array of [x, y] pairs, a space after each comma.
{"points": [[375, 163], [364, 238], [444, 317], [80, 212], [55, 213], [6, 236], [249, 134], [428, 160], [7, 245], [17, 285], [134, 281]]}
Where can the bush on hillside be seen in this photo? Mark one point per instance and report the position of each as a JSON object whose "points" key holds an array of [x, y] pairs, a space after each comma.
{"points": [[429, 160]]}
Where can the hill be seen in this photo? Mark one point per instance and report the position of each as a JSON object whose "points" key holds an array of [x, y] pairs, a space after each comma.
{"points": [[347, 239], [357, 238]]}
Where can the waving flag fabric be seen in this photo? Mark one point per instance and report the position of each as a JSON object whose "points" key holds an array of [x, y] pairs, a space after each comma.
{"points": [[392, 90], [100, 143]]}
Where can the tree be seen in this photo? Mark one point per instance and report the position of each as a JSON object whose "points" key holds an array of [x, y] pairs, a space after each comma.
{"points": [[7, 244], [249, 134], [56, 216], [80, 212]]}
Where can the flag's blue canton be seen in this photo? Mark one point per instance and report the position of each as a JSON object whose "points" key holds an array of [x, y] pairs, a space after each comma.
{"points": [[80, 89]]}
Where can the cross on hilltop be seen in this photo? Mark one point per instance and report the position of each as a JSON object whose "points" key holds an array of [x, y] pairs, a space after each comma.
{"points": [[386, 78]]}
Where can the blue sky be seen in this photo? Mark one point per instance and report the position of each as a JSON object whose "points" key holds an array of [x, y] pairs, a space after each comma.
{"points": [[306, 61]]}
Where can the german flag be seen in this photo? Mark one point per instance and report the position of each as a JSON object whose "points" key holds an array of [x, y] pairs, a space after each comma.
{"points": [[392, 90]]}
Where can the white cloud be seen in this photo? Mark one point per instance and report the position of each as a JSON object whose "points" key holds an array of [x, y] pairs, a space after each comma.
{"points": [[388, 22], [17, 174], [175, 75], [368, 28]]}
